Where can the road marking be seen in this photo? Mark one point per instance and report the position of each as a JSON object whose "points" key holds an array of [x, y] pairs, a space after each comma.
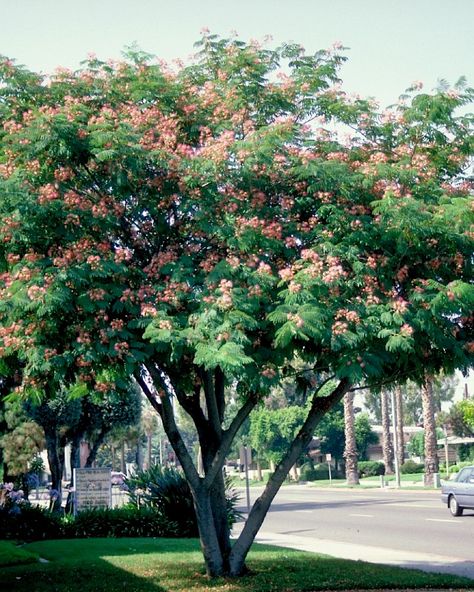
{"points": [[305, 511], [363, 515], [441, 520]]}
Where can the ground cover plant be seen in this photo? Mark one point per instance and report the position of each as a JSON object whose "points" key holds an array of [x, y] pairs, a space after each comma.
{"points": [[212, 232], [176, 566]]}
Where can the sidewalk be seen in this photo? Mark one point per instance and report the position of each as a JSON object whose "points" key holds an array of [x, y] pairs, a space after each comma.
{"points": [[429, 562]]}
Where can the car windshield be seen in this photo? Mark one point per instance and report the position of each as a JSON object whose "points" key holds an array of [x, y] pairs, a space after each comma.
{"points": [[466, 475]]}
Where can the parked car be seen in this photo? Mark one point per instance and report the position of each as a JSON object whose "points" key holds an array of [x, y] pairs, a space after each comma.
{"points": [[458, 494]]}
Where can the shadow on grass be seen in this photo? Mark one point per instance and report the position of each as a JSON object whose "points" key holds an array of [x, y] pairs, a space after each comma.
{"points": [[170, 565]]}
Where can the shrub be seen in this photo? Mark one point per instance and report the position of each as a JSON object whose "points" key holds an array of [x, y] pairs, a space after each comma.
{"points": [[127, 521], [371, 468], [29, 523], [308, 474], [165, 489], [410, 467]]}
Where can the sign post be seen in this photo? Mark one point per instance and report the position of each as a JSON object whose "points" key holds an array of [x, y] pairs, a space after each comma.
{"points": [[328, 460], [92, 489]]}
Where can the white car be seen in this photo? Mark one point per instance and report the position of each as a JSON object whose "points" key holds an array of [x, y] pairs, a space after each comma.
{"points": [[458, 494]]}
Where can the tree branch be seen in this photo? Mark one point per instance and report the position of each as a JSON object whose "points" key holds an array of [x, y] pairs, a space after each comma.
{"points": [[172, 431], [319, 407], [214, 419], [228, 437]]}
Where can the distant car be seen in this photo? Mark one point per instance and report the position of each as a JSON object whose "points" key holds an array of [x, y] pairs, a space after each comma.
{"points": [[117, 478], [458, 494]]}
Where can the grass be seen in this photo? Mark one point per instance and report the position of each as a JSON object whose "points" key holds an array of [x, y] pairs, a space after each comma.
{"points": [[12, 555], [175, 565]]}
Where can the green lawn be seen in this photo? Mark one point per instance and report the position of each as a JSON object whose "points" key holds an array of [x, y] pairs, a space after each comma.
{"points": [[12, 555], [175, 565]]}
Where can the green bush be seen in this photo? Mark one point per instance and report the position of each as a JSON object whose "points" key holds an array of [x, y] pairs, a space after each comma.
{"points": [[127, 521], [371, 468], [460, 465], [29, 523], [308, 474], [166, 490], [410, 467]]}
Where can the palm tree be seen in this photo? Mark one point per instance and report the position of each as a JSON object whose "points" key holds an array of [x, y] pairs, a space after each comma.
{"points": [[387, 447], [350, 452], [431, 452], [399, 426]]}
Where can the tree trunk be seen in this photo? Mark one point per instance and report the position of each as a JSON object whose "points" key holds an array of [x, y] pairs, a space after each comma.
{"points": [[139, 455], [399, 426], [208, 492], [75, 454], [94, 449], [259, 470], [350, 452], [213, 556], [387, 447], [431, 451], [56, 467], [319, 407], [149, 449], [122, 458]]}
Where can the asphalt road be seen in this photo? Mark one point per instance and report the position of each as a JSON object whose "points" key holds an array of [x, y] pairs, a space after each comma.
{"points": [[386, 526]]}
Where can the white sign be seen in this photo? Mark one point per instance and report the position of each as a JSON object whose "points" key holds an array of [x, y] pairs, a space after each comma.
{"points": [[328, 458], [92, 489]]}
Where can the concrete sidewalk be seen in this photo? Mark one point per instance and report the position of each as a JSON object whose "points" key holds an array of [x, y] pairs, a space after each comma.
{"points": [[429, 562]]}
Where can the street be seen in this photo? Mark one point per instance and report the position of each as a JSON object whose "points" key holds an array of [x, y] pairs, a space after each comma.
{"points": [[386, 526]]}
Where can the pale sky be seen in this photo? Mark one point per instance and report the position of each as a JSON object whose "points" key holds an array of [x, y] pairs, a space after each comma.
{"points": [[393, 42]]}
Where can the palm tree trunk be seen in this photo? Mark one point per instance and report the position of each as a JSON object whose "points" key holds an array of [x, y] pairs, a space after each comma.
{"points": [[387, 447], [431, 452], [399, 426], [149, 449], [350, 452]]}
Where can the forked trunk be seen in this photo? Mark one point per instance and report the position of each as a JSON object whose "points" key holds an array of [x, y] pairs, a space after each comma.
{"points": [[215, 557], [350, 452]]}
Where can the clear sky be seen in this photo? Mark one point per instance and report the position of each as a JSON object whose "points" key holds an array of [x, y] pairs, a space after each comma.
{"points": [[393, 42]]}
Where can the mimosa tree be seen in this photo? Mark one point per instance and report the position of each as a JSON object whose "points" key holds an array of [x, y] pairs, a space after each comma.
{"points": [[224, 223]]}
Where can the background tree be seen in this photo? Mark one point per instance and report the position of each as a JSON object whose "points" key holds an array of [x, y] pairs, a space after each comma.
{"points": [[430, 437], [57, 415], [150, 427], [387, 445], [350, 448], [364, 435], [22, 441], [399, 424], [272, 431], [202, 228], [330, 431]]}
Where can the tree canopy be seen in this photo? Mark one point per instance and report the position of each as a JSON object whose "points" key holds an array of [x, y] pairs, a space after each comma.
{"points": [[204, 226]]}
